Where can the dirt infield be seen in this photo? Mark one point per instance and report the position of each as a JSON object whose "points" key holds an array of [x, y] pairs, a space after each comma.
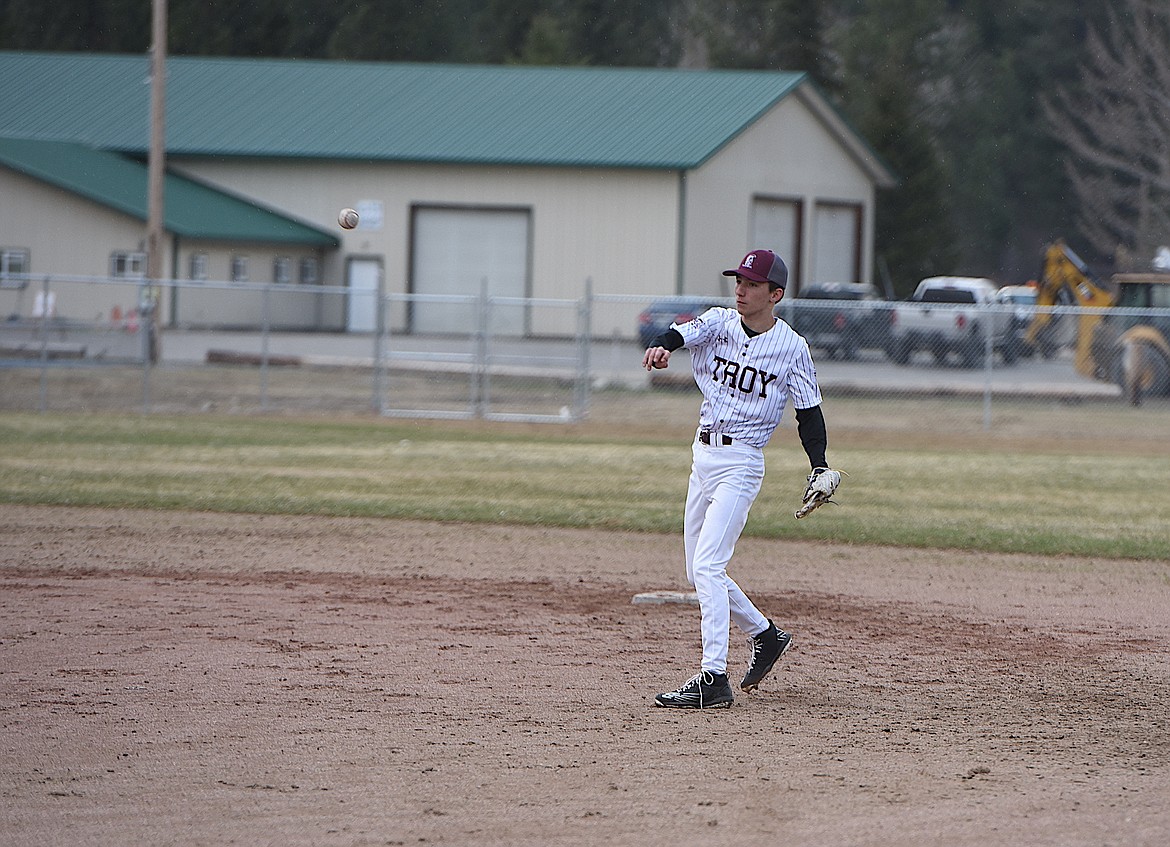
{"points": [[190, 678]]}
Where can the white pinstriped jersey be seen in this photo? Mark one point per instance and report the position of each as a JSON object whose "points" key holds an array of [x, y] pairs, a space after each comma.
{"points": [[747, 381]]}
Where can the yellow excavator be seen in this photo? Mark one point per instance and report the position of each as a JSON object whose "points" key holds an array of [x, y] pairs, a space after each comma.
{"points": [[1128, 349]]}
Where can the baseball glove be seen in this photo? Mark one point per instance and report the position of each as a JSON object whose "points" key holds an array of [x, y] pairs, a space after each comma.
{"points": [[822, 483]]}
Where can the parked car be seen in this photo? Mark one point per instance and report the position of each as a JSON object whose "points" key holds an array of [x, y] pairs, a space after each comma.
{"points": [[1021, 296], [840, 318], [1022, 299], [660, 314]]}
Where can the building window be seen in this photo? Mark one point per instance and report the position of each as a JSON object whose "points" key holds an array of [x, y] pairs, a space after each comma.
{"points": [[198, 266], [310, 270], [282, 270], [128, 265], [239, 268], [13, 261]]}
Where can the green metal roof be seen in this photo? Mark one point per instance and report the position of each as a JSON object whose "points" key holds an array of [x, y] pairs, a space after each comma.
{"points": [[191, 210], [464, 114]]}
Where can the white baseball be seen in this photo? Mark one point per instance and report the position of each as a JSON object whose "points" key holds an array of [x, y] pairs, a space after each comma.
{"points": [[347, 218]]}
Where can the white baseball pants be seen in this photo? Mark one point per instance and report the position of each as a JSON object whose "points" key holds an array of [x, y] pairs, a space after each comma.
{"points": [[723, 485]]}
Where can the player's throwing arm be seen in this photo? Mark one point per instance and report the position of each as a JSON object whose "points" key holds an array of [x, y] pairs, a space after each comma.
{"points": [[656, 357]]}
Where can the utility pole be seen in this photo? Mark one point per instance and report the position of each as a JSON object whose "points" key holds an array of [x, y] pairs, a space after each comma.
{"points": [[156, 167]]}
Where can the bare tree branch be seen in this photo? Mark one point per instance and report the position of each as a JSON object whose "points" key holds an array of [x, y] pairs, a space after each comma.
{"points": [[1116, 126]]}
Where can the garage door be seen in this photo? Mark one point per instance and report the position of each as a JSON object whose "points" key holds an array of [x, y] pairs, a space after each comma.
{"points": [[837, 243], [454, 251], [776, 226]]}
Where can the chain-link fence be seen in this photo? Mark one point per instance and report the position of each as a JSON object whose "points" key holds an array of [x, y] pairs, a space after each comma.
{"points": [[183, 347]]}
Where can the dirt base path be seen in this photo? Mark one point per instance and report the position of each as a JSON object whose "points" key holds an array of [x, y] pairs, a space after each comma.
{"points": [[189, 678]]}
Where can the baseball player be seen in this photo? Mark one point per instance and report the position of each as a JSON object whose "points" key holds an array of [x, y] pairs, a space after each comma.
{"points": [[747, 365]]}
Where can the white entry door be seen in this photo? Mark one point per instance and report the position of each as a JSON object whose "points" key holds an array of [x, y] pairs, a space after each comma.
{"points": [[454, 252], [363, 279]]}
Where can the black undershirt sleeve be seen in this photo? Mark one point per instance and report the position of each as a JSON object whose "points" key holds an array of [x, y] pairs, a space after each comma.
{"points": [[671, 340], [810, 425]]}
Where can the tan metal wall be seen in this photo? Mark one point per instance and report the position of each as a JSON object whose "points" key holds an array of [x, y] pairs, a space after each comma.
{"points": [[789, 153], [65, 233], [617, 228], [68, 235]]}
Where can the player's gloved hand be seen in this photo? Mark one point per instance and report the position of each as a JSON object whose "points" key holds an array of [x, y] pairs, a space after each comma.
{"points": [[822, 483]]}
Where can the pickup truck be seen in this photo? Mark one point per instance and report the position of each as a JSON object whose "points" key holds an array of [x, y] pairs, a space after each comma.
{"points": [[951, 315], [840, 318]]}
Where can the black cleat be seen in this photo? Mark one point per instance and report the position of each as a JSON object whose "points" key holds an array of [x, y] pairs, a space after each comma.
{"points": [[767, 648], [704, 690]]}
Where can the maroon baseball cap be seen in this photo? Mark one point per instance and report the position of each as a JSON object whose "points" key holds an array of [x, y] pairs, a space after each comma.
{"points": [[762, 266]]}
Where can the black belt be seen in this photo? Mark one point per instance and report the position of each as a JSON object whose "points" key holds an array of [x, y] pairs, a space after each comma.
{"points": [[705, 438]]}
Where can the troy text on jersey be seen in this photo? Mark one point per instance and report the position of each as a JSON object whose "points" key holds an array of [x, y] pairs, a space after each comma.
{"points": [[741, 377]]}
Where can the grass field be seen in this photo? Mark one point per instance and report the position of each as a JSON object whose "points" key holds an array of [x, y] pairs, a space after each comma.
{"points": [[999, 493]]}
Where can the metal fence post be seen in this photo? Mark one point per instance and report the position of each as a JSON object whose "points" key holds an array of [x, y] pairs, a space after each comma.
{"points": [[378, 401], [146, 328], [479, 378], [43, 399], [584, 343], [988, 361], [265, 324]]}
